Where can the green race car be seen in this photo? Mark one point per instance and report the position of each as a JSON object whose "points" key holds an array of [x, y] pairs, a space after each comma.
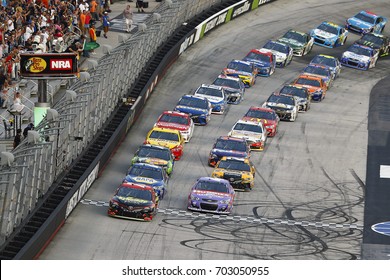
{"points": [[300, 42], [157, 155]]}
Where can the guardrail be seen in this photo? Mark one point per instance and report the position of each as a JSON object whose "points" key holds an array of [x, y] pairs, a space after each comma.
{"points": [[75, 141]]}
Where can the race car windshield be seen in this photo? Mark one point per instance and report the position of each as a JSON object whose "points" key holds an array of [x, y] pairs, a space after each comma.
{"points": [[231, 145], [372, 39], [295, 36], [328, 28], [234, 165], [308, 82], [240, 67], [300, 92], [281, 99], [260, 115], [154, 153], [212, 186], [258, 56], [210, 91], [141, 171], [226, 83], [173, 119], [193, 102], [316, 70], [324, 60], [135, 193], [365, 18], [276, 47], [248, 127], [359, 50], [164, 136]]}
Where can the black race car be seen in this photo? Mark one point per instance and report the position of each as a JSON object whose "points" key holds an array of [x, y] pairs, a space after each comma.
{"points": [[378, 42]]}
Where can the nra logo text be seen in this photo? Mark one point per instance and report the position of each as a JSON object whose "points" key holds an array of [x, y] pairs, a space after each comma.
{"points": [[60, 64]]}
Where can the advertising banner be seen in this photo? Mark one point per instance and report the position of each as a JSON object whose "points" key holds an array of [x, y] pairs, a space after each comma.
{"points": [[46, 65]]}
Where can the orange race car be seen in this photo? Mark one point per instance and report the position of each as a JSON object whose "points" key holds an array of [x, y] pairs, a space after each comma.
{"points": [[314, 84]]}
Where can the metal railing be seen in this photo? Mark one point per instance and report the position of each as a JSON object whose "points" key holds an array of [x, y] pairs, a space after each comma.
{"points": [[27, 173]]}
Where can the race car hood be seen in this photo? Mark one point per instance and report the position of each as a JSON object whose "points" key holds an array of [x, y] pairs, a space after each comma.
{"points": [[368, 44], [246, 135], [230, 90], [155, 161], [192, 111], [324, 78], [228, 153], [232, 72], [359, 23], [292, 43], [210, 195], [279, 55], [311, 88], [355, 56], [176, 126], [212, 99], [162, 143], [132, 201], [143, 180], [280, 105], [258, 63], [323, 34]]}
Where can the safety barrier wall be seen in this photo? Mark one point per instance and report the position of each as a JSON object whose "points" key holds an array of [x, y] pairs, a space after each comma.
{"points": [[81, 117]]}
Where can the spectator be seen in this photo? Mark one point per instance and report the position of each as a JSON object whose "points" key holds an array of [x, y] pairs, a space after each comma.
{"points": [[18, 137], [17, 105], [87, 22], [128, 15], [93, 10], [140, 6], [106, 23], [30, 126]]}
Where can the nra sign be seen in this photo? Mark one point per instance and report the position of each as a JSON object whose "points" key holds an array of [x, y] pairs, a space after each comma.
{"points": [[48, 65]]}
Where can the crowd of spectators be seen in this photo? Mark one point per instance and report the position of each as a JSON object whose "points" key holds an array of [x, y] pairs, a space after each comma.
{"points": [[42, 26]]}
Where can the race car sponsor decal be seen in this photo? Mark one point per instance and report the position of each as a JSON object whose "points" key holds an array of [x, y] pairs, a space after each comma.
{"points": [[323, 34], [356, 56], [132, 200], [211, 193], [172, 125], [144, 180], [382, 228]]}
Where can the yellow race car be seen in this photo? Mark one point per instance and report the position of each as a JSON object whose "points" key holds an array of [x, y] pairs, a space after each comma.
{"points": [[166, 137], [240, 172]]}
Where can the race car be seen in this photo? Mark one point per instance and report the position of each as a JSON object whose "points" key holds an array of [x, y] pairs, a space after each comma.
{"points": [[228, 146], [286, 106], [166, 137], [330, 61], [234, 88], [240, 172], [178, 121], [300, 42], [301, 93], [264, 61], [267, 116], [329, 35], [359, 57], [244, 70], [133, 201], [314, 84], [366, 22], [148, 174], [156, 155], [216, 95], [211, 195], [199, 108], [282, 52], [320, 71], [252, 132], [380, 43]]}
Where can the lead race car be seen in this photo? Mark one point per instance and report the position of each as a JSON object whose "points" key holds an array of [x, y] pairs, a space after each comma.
{"points": [[359, 57], [366, 22], [329, 35]]}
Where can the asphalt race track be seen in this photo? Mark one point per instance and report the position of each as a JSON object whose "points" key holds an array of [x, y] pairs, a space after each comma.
{"points": [[312, 171]]}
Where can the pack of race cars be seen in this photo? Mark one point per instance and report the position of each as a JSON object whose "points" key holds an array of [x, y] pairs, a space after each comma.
{"points": [[146, 181]]}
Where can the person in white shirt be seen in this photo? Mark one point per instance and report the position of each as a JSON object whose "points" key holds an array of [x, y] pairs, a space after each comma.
{"points": [[29, 31], [84, 6]]}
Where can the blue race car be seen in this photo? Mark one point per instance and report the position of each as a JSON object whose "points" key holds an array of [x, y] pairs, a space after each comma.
{"points": [[330, 61], [211, 195], [216, 95], [366, 22], [228, 146], [320, 71], [148, 174], [199, 108], [264, 61], [329, 35], [359, 57]]}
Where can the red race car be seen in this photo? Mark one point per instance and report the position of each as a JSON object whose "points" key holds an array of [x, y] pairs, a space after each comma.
{"points": [[267, 116], [178, 121]]}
